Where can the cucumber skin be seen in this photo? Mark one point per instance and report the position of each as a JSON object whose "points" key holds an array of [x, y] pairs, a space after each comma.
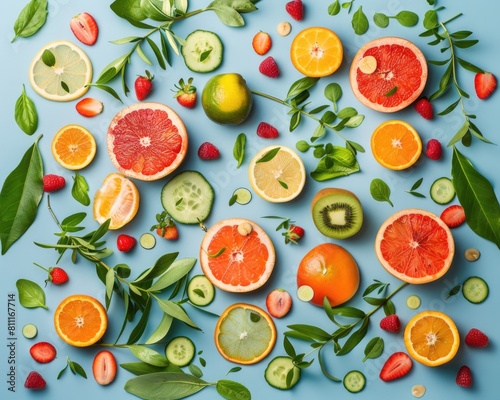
{"points": [[279, 360], [194, 65]]}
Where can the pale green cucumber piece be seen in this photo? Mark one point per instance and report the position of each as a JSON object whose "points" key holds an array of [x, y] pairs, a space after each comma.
{"points": [[202, 51], [305, 293], [354, 381], [413, 302], [442, 190], [147, 241], [180, 351], [29, 331], [277, 373], [243, 195], [188, 197], [200, 291], [475, 289]]}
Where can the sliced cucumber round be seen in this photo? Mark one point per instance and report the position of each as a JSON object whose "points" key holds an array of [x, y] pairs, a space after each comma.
{"points": [[281, 373], [354, 381], [29, 331], [188, 197], [475, 289], [180, 351], [442, 190], [202, 51], [147, 241], [200, 291], [243, 195]]}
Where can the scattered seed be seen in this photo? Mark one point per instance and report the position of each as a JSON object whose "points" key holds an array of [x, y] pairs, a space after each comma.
{"points": [[367, 65], [284, 28], [418, 390], [245, 228], [472, 254]]}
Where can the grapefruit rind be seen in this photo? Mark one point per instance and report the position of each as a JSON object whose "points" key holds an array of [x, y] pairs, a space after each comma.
{"points": [[429, 238]]}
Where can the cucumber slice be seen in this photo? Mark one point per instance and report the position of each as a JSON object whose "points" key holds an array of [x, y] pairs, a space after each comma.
{"points": [[180, 351], [243, 195], [147, 241], [188, 197], [354, 381], [305, 293], [278, 370], [29, 331], [475, 289], [200, 291], [413, 302], [442, 191], [202, 51]]}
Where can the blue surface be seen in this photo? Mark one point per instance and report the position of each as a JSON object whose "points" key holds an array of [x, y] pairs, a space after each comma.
{"points": [[239, 57]]}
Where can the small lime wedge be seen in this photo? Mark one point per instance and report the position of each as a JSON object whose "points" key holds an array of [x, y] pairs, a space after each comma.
{"points": [[243, 195], [29, 331], [305, 293], [147, 241], [413, 302]]}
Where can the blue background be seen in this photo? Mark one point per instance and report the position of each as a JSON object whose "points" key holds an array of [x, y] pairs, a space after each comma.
{"points": [[225, 177]]}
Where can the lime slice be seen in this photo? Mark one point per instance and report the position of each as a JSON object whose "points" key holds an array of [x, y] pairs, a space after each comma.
{"points": [[29, 331], [60, 71], [305, 293], [413, 302], [147, 241], [243, 195]]}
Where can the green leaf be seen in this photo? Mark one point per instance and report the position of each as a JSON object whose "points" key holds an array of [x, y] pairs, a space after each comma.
{"points": [[461, 133], [450, 108], [161, 330], [391, 92], [343, 156], [407, 18], [465, 44], [176, 311], [20, 196], [380, 191], [469, 66], [142, 324], [176, 271], [142, 368], [48, 58], [25, 114], [31, 295], [300, 86], [239, 149], [77, 369], [430, 19], [161, 265], [360, 22], [334, 8], [325, 172], [381, 20], [333, 92], [374, 348], [477, 197], [157, 52], [374, 301], [31, 18], [269, 155], [131, 11], [148, 355], [355, 338], [232, 390], [80, 189], [311, 331], [389, 307], [226, 14], [348, 311], [323, 367], [195, 370]]}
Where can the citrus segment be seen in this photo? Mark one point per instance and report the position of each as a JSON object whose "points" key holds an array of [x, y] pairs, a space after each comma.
{"points": [[432, 338], [399, 76], [396, 145], [316, 52], [147, 141], [236, 255], [73, 147], [245, 334], [415, 246], [117, 200], [60, 71], [80, 320], [277, 174]]}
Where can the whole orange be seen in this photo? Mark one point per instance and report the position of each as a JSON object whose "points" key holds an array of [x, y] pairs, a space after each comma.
{"points": [[331, 271]]}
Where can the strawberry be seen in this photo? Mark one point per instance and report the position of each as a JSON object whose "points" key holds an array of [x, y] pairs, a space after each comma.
{"points": [[396, 366], [390, 323], [34, 381], [267, 131], [464, 376], [484, 84], [52, 182], [104, 367], [424, 108], [89, 107], [268, 67], [296, 9], [433, 149], [165, 227], [476, 338], [56, 275], [261, 43], [43, 352], [125, 243], [84, 28], [293, 234], [143, 85], [453, 215], [278, 303], [186, 93], [208, 151]]}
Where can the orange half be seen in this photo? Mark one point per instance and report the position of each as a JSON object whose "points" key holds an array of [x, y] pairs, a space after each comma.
{"points": [[73, 147]]}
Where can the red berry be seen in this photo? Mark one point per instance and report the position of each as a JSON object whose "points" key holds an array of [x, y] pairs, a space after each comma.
{"points": [[84, 28], [476, 338], [278, 303], [34, 381], [453, 215], [125, 243], [43, 352], [143, 86], [89, 107], [293, 234], [296, 9], [424, 108], [52, 182], [208, 151], [268, 67], [165, 227], [434, 150], [58, 276], [185, 93], [484, 84], [396, 366], [390, 323], [267, 131], [464, 376], [261, 43]]}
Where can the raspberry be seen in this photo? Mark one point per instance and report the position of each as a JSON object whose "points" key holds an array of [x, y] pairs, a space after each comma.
{"points": [[434, 150], [34, 381], [390, 323], [208, 151], [269, 68], [476, 338], [424, 108], [52, 182], [464, 376], [267, 131], [295, 9]]}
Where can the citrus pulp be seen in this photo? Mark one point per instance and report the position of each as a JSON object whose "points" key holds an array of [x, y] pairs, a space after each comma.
{"points": [[73, 147]]}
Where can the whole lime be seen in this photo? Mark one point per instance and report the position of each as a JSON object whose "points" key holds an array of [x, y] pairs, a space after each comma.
{"points": [[226, 99]]}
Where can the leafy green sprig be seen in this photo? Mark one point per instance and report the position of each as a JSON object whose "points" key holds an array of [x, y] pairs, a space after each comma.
{"points": [[351, 333], [414, 187], [74, 367], [334, 161]]}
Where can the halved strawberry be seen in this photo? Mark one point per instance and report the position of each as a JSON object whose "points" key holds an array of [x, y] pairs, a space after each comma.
{"points": [[43, 352], [104, 367], [261, 43], [84, 28], [89, 107], [278, 303], [453, 215], [484, 83], [396, 366]]}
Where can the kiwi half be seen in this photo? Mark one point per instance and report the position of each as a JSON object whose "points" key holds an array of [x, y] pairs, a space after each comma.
{"points": [[337, 213]]}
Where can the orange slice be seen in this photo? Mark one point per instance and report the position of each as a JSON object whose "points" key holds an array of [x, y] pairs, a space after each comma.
{"points": [[80, 320], [432, 338], [117, 200], [396, 145], [245, 334], [73, 147], [316, 52]]}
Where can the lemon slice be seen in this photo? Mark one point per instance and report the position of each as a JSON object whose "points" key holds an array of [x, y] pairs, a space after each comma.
{"points": [[60, 71]]}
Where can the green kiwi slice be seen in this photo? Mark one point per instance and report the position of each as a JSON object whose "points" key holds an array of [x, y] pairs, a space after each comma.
{"points": [[337, 213]]}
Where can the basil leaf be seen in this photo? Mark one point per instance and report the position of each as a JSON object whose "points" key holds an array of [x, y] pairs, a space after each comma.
{"points": [[325, 172], [430, 19], [269, 155], [381, 20], [407, 18], [31, 295], [380, 191], [374, 348], [20, 196], [300, 86], [333, 92], [334, 8], [232, 390], [360, 22], [31, 18], [48, 58], [25, 114], [239, 149], [80, 189]]}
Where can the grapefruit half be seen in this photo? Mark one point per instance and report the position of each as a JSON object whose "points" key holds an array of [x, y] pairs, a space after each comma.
{"points": [[415, 246], [147, 141], [396, 77]]}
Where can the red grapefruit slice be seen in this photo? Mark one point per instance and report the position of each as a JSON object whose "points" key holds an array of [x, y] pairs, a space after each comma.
{"points": [[415, 246], [388, 74], [147, 141]]}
